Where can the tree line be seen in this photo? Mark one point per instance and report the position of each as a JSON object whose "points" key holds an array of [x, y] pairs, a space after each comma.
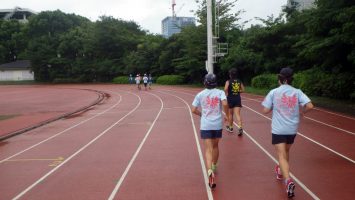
{"points": [[317, 43]]}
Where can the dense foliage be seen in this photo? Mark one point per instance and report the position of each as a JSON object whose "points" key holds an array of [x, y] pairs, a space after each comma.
{"points": [[317, 43]]}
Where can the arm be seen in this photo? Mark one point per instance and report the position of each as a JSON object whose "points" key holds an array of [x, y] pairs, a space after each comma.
{"points": [[307, 107], [226, 88], [266, 110], [225, 109], [195, 111], [242, 89]]}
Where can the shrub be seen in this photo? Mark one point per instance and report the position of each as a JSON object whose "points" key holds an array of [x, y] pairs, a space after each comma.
{"points": [[121, 80], [66, 80], [267, 81], [170, 80]]}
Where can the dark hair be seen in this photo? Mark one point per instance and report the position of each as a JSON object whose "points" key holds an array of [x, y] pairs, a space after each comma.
{"points": [[233, 73], [286, 75], [210, 81]]}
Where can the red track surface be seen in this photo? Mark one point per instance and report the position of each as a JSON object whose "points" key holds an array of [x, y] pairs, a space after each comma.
{"points": [[145, 145]]}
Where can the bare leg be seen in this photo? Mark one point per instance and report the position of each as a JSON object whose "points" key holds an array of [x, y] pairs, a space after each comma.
{"points": [[215, 151], [209, 153], [230, 117], [282, 151], [238, 116]]}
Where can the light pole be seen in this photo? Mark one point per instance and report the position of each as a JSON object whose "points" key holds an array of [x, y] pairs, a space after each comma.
{"points": [[209, 62]]}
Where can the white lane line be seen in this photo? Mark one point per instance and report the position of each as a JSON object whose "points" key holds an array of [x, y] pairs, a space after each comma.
{"points": [[270, 156], [76, 153], [78, 124], [119, 183], [333, 113], [303, 186], [340, 129], [209, 193], [308, 138]]}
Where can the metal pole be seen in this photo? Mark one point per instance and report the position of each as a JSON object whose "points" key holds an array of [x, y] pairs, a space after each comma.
{"points": [[209, 38]]}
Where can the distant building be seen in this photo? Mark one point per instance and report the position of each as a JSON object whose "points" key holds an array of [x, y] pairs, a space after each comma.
{"points": [[172, 25], [17, 13], [16, 71], [300, 4]]}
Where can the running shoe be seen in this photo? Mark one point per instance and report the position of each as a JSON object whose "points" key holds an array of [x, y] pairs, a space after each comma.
{"points": [[240, 132], [290, 188], [211, 179], [278, 173], [229, 129]]}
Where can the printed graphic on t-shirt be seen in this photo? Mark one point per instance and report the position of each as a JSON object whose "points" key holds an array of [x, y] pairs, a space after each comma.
{"points": [[287, 104], [235, 87], [212, 105]]}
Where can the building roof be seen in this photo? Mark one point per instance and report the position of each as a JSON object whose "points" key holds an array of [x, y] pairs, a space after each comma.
{"points": [[18, 64]]}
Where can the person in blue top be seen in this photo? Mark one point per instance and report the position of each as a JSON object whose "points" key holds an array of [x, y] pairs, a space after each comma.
{"points": [[211, 100], [286, 104], [233, 87]]}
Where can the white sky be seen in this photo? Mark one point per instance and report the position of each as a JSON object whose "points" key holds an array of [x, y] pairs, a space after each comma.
{"points": [[147, 13]]}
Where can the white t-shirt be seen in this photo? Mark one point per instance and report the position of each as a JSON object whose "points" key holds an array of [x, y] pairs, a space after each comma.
{"points": [[210, 100], [284, 102], [145, 79]]}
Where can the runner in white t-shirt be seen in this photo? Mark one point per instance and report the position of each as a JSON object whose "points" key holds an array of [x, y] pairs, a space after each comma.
{"points": [[211, 100], [285, 102]]}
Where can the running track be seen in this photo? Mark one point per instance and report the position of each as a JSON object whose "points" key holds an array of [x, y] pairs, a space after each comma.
{"points": [[145, 145]]}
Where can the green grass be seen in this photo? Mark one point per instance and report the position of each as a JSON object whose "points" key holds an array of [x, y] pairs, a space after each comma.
{"points": [[16, 82], [4, 117]]}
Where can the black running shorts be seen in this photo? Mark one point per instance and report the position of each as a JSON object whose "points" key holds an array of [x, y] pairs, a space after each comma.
{"points": [[211, 134], [234, 101], [278, 139]]}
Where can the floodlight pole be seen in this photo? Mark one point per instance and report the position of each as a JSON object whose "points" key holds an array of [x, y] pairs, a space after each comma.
{"points": [[209, 62]]}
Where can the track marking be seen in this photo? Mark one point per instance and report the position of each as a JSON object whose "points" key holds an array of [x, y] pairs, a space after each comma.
{"points": [[78, 124], [308, 138], [209, 192], [36, 159], [120, 181], [346, 131], [76, 153], [303, 186]]}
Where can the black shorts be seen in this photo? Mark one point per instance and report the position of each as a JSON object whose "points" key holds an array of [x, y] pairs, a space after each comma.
{"points": [[145, 84], [288, 139], [234, 101], [211, 134]]}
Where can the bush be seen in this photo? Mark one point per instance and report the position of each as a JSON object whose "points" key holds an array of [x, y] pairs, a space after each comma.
{"points": [[170, 80], [121, 80], [319, 83], [266, 81], [66, 80]]}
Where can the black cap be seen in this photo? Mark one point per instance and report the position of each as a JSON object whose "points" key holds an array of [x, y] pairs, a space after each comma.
{"points": [[286, 72], [210, 80]]}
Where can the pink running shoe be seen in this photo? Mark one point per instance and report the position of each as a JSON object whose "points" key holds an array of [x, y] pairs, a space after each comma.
{"points": [[211, 179], [278, 173], [290, 188]]}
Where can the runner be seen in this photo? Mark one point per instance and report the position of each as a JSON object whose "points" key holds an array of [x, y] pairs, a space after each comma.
{"points": [[150, 81], [138, 81], [284, 102], [211, 101], [130, 79], [145, 81], [233, 88]]}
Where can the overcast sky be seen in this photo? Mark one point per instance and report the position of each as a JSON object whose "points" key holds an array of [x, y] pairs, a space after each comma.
{"points": [[147, 13]]}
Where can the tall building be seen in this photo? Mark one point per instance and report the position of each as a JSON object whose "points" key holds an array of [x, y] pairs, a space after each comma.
{"points": [[172, 25], [17, 13], [300, 4]]}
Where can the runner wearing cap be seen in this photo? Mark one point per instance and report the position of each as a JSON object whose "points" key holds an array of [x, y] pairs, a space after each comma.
{"points": [[286, 103], [211, 100]]}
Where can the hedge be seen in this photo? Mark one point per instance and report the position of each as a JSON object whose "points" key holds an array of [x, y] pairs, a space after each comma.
{"points": [[170, 80], [121, 80]]}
